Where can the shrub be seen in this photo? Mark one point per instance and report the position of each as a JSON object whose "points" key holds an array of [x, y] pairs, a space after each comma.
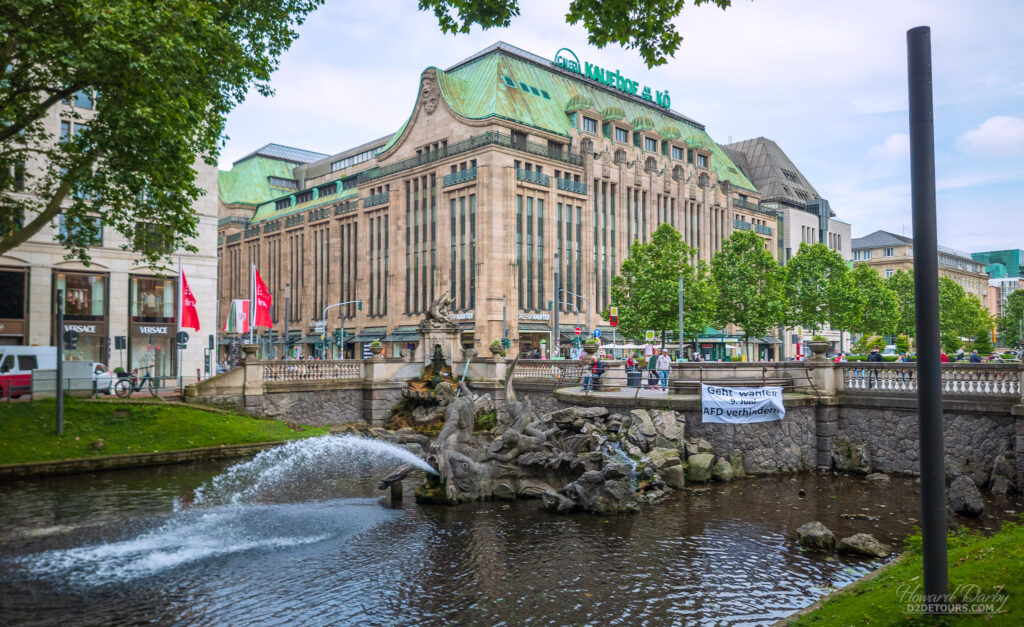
{"points": [[819, 338], [495, 343], [376, 343], [590, 341], [485, 422]]}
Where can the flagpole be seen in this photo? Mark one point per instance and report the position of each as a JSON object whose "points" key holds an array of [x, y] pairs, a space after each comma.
{"points": [[181, 311], [252, 298]]}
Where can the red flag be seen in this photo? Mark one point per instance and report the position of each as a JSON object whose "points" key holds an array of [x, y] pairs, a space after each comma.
{"points": [[189, 316], [261, 312]]}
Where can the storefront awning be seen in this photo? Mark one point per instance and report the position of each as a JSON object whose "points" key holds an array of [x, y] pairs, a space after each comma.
{"points": [[407, 333], [309, 339], [769, 340], [369, 335], [533, 327]]}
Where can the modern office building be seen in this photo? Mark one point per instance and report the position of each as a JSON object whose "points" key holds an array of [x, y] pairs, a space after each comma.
{"points": [[1004, 276], [509, 166], [803, 215], [117, 294], [887, 252]]}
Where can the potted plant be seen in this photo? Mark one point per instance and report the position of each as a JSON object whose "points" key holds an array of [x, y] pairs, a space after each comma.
{"points": [[590, 346], [819, 345], [496, 348], [376, 348]]}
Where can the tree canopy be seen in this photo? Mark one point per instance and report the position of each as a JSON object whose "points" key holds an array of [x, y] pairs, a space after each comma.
{"points": [[160, 76], [1009, 323], [643, 25], [750, 285], [879, 306], [647, 286], [902, 285], [819, 289], [961, 315]]}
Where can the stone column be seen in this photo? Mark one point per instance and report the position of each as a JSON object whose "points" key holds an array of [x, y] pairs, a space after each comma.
{"points": [[826, 412], [252, 384]]}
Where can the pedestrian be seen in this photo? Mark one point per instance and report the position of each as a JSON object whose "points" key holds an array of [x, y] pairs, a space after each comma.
{"points": [[943, 357], [664, 365], [873, 356], [594, 372], [652, 372], [975, 357]]}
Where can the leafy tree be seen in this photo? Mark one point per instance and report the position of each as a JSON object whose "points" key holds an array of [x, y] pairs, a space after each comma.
{"points": [[162, 76], [960, 315], [646, 288], [819, 289], [902, 344], [879, 305], [983, 344], [750, 285], [902, 285], [645, 25], [1008, 324]]}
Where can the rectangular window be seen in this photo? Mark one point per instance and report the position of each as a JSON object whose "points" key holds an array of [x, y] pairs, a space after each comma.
{"points": [[96, 238], [702, 161], [650, 145], [453, 270], [589, 125], [152, 299], [888, 252], [621, 135], [677, 153], [472, 251], [84, 295], [529, 252], [540, 253], [519, 248], [888, 272]]}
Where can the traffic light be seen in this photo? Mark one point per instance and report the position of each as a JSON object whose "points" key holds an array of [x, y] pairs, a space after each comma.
{"points": [[70, 340], [360, 305], [506, 343], [338, 340]]}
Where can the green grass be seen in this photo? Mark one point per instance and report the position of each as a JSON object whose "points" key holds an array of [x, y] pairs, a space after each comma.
{"points": [[28, 431], [977, 565]]}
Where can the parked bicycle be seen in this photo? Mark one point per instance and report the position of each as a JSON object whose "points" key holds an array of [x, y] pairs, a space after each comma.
{"points": [[129, 384]]}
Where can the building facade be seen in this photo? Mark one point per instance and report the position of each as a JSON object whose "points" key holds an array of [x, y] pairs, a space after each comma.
{"points": [[887, 253], [116, 295], [1004, 276], [509, 167]]}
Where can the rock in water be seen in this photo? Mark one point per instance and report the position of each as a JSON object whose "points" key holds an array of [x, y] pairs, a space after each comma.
{"points": [[863, 544], [815, 536], [722, 470], [700, 467], [1004, 476], [736, 461], [964, 497], [674, 476], [880, 477]]}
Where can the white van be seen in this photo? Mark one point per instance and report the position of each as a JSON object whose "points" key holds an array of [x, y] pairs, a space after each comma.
{"points": [[17, 364], [889, 351]]}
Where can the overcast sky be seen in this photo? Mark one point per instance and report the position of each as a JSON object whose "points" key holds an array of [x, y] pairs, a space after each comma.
{"points": [[826, 80]]}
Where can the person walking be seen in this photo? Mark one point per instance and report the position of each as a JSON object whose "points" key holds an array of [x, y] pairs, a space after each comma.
{"points": [[873, 356], [664, 366], [632, 372], [652, 372]]}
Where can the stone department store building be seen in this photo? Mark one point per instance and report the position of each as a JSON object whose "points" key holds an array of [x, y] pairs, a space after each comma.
{"points": [[508, 164]]}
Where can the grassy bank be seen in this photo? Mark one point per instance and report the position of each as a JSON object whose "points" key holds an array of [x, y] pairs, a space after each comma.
{"points": [[28, 430], [983, 570]]}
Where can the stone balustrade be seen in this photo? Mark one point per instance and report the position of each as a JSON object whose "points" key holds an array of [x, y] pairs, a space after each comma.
{"points": [[312, 370], [991, 380]]}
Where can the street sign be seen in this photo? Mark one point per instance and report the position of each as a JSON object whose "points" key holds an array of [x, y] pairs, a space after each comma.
{"points": [[613, 316], [650, 336], [597, 332], [181, 337], [321, 326], [578, 330]]}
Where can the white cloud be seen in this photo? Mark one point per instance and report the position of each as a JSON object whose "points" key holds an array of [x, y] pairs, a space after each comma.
{"points": [[895, 146], [999, 136]]}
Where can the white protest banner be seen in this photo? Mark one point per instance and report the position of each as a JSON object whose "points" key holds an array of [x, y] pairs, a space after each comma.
{"points": [[741, 405]]}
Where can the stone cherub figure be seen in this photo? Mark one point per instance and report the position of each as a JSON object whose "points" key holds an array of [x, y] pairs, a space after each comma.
{"points": [[440, 313]]}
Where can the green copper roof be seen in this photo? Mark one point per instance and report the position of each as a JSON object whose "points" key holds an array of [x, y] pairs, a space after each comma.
{"points": [[269, 210], [503, 85], [247, 182]]}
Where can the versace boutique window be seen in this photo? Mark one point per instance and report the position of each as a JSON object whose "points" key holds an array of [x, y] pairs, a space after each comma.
{"points": [[85, 312], [153, 314], [13, 305]]}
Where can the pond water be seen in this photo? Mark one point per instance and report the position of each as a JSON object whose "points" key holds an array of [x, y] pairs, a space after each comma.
{"points": [[324, 547]]}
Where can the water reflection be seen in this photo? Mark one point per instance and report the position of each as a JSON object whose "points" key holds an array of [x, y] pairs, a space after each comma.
{"points": [[109, 549]]}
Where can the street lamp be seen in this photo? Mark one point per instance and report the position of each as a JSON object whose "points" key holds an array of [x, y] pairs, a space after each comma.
{"points": [[577, 309], [341, 312]]}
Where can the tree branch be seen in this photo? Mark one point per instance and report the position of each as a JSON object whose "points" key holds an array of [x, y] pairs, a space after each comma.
{"points": [[38, 111]]}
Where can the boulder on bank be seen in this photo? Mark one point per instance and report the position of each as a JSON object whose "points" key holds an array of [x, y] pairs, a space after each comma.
{"points": [[879, 477], [815, 536], [864, 545], [1003, 479], [722, 470], [965, 498], [736, 461], [696, 446], [675, 477], [700, 467]]}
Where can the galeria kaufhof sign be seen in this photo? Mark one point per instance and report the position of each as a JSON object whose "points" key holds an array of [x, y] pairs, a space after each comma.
{"points": [[567, 60]]}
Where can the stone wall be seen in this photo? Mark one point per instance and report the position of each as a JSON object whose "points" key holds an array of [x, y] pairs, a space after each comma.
{"points": [[310, 407], [974, 434], [788, 445]]}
